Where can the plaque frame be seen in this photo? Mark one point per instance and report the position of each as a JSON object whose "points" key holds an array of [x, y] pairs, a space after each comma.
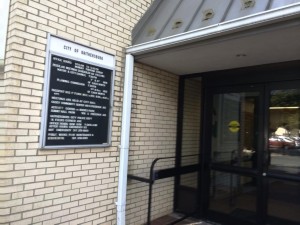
{"points": [[61, 47]]}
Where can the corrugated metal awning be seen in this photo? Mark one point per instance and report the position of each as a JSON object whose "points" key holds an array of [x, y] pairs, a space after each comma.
{"points": [[194, 36], [165, 18]]}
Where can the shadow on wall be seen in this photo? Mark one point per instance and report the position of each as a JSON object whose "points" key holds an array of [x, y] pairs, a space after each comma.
{"points": [[1, 68]]}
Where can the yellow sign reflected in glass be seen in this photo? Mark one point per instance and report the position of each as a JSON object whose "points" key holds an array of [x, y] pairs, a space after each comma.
{"points": [[234, 126]]}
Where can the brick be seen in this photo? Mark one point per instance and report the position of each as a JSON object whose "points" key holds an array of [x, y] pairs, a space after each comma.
{"points": [[43, 191], [63, 175], [70, 205], [61, 213], [81, 161], [10, 218], [38, 6], [52, 221], [22, 166], [69, 11], [79, 185], [35, 72], [85, 6], [21, 208], [27, 139], [58, 14], [48, 16], [75, 20], [54, 183], [45, 177], [57, 25], [26, 49], [18, 12], [66, 24], [77, 209], [66, 35], [55, 170], [88, 178], [42, 204], [23, 21], [24, 221], [5, 182], [36, 159], [86, 201], [85, 213], [78, 197], [4, 168], [19, 90], [45, 164], [35, 31], [13, 174], [61, 200], [37, 18], [65, 163], [18, 61], [73, 168], [80, 173], [23, 180], [53, 195], [55, 158], [71, 217], [32, 213], [34, 186]]}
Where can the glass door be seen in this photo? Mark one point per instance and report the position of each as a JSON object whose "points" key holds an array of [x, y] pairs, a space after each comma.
{"points": [[235, 144], [283, 165], [252, 157]]}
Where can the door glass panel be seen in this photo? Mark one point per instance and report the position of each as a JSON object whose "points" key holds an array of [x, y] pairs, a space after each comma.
{"points": [[284, 140], [191, 121], [284, 202], [234, 195], [234, 126], [188, 183]]}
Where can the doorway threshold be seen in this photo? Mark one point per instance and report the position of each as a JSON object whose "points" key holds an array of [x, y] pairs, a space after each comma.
{"points": [[169, 219]]}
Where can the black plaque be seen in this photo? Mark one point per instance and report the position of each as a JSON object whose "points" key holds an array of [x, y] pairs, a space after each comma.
{"points": [[78, 103]]}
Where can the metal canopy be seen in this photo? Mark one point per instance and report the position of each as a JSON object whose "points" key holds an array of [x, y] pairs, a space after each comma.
{"points": [[182, 39], [165, 18]]}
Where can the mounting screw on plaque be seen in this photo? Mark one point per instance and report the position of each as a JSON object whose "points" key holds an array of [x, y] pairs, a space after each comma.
{"points": [[247, 4], [208, 14]]}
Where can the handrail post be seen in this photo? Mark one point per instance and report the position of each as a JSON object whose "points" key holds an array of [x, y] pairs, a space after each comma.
{"points": [[151, 181], [149, 203]]}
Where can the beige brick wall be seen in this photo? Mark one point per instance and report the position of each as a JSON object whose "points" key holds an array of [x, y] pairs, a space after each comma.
{"points": [[153, 135], [78, 186]]}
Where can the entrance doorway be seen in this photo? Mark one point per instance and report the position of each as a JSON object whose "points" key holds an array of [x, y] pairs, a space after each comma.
{"points": [[254, 154], [249, 147]]}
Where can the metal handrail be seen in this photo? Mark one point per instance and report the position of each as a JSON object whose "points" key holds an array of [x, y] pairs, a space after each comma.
{"points": [[153, 177]]}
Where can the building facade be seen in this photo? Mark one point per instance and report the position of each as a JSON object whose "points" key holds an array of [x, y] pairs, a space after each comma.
{"points": [[76, 186], [199, 94]]}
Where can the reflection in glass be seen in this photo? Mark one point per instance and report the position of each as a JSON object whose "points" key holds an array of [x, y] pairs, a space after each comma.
{"points": [[190, 145], [284, 202], [234, 123], [284, 140], [233, 195]]}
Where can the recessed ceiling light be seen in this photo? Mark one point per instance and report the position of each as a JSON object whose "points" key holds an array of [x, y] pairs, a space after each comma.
{"points": [[240, 55]]}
